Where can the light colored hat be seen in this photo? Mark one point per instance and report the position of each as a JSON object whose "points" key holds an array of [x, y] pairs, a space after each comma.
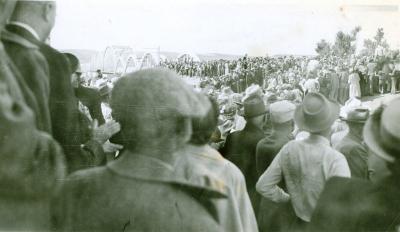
{"points": [[382, 132], [316, 113], [282, 111], [253, 90]]}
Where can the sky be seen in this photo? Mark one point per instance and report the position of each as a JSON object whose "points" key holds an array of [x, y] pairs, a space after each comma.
{"points": [[255, 27]]}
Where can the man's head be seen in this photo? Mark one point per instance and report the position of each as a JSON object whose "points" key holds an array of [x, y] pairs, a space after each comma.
{"points": [[40, 15], [255, 111], [282, 114], [75, 68], [382, 136], [204, 127], [154, 108], [316, 114], [356, 119]]}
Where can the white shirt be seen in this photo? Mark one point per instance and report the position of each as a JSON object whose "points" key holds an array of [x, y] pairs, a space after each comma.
{"points": [[26, 27], [305, 165]]}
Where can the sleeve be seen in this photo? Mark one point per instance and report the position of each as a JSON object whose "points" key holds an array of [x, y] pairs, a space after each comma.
{"points": [[357, 161], [267, 185], [247, 215], [339, 167]]}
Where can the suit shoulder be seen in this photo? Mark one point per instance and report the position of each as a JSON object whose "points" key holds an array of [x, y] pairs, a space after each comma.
{"points": [[17, 39]]}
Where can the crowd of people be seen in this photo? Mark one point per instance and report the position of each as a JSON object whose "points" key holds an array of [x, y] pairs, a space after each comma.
{"points": [[264, 144]]}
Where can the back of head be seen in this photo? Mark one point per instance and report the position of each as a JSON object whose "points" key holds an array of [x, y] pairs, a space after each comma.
{"points": [[154, 108], [73, 62], [40, 15], [203, 127]]}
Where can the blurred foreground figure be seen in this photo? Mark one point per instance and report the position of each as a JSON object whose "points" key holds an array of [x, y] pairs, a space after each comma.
{"points": [[32, 22], [357, 205], [199, 161], [141, 191], [31, 161]]}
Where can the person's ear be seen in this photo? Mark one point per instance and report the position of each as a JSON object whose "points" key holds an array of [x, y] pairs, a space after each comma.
{"points": [[49, 9], [184, 129]]}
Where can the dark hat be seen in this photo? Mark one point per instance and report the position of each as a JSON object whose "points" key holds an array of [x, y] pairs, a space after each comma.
{"points": [[316, 113], [253, 107], [382, 131], [358, 115]]}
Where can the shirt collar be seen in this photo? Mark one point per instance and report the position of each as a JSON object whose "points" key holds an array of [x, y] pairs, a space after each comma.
{"points": [[26, 27], [318, 139], [152, 169]]}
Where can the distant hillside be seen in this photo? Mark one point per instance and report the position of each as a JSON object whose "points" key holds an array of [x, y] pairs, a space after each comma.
{"points": [[84, 56]]}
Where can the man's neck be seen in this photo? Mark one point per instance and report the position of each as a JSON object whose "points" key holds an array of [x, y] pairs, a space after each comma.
{"points": [[28, 28]]}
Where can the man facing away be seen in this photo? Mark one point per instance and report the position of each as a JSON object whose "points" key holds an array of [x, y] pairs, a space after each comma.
{"points": [[240, 146], [141, 191], [352, 145], [307, 164], [200, 161], [274, 216]]}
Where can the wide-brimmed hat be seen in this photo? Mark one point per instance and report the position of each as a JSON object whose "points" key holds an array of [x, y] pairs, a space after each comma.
{"points": [[316, 113], [357, 115], [382, 131], [253, 107]]}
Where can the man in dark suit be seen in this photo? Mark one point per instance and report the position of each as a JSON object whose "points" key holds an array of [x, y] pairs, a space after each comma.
{"points": [[240, 146], [275, 216], [359, 205], [352, 145], [31, 161], [89, 97], [34, 80], [33, 21]]}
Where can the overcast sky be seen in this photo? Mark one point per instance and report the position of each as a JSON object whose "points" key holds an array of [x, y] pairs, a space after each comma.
{"points": [[255, 27]]}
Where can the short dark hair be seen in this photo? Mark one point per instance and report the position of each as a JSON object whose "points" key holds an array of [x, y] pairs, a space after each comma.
{"points": [[73, 61], [204, 127]]}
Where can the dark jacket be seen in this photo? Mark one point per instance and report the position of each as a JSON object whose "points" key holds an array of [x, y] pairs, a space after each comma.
{"points": [[273, 216], [33, 76], [240, 149], [92, 100], [357, 205], [140, 194], [63, 105], [31, 161], [356, 155], [268, 148]]}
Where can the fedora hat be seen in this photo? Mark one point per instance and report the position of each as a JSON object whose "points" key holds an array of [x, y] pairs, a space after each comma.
{"points": [[253, 107], [358, 115], [382, 131], [316, 113]]}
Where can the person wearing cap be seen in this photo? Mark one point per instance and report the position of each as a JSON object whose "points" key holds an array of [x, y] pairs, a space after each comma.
{"points": [[272, 216], [281, 117], [307, 164], [352, 145], [240, 146], [199, 160], [360, 205], [142, 190]]}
